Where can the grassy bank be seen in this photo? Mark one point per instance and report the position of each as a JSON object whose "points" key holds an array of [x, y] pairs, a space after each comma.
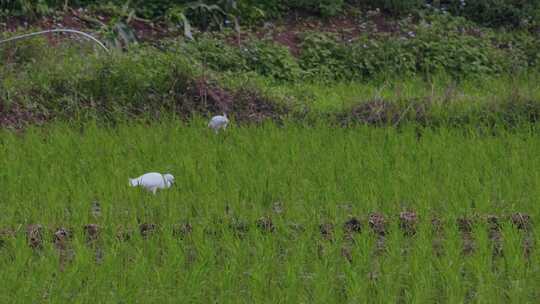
{"points": [[432, 69], [72, 83]]}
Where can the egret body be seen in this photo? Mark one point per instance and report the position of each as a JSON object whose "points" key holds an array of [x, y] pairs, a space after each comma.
{"points": [[218, 122], [153, 181]]}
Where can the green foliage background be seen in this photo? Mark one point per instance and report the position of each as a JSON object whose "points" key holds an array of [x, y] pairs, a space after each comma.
{"points": [[510, 13]]}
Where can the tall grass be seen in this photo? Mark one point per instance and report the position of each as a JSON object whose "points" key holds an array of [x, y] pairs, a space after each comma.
{"points": [[317, 174]]}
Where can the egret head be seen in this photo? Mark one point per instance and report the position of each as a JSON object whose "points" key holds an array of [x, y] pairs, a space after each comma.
{"points": [[169, 179], [133, 182]]}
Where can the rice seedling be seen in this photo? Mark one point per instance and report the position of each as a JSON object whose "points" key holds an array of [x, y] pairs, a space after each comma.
{"points": [[265, 214]]}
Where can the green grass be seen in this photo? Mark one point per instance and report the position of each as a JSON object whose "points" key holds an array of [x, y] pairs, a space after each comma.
{"points": [[320, 174], [446, 93]]}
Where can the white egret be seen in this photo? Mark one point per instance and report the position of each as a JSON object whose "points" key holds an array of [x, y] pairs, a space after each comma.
{"points": [[153, 181], [218, 122]]}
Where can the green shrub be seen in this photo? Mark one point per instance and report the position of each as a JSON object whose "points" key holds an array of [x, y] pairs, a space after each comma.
{"points": [[513, 13], [323, 7], [271, 59], [263, 57], [216, 53], [394, 6], [323, 56], [386, 56], [443, 45], [439, 44]]}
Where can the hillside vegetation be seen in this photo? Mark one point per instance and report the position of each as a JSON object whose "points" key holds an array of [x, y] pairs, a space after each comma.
{"points": [[383, 62]]}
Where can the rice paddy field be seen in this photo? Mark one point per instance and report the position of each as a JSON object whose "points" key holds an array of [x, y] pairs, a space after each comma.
{"points": [[288, 213]]}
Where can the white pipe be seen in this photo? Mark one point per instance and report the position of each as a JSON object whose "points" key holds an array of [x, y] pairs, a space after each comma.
{"points": [[55, 31]]}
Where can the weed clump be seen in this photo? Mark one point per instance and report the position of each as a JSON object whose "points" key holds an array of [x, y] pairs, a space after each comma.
{"points": [[465, 226], [521, 220], [61, 237], [182, 230], [407, 222], [124, 234], [92, 232], [377, 223], [34, 236], [265, 224], [240, 226], [327, 231], [495, 235], [147, 229], [353, 225], [5, 234]]}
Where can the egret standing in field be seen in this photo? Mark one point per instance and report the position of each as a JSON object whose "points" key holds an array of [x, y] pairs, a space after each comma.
{"points": [[153, 181], [218, 122]]}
